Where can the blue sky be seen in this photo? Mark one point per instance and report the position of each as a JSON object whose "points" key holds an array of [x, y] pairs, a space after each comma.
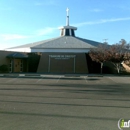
{"points": [[26, 21]]}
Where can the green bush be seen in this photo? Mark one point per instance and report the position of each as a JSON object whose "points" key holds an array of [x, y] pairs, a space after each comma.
{"points": [[33, 61], [3, 68], [125, 73]]}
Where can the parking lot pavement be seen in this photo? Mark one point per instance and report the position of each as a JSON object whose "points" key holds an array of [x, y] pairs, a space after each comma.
{"points": [[63, 102]]}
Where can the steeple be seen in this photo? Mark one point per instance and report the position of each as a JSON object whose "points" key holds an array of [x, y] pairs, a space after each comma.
{"points": [[67, 30], [67, 19]]}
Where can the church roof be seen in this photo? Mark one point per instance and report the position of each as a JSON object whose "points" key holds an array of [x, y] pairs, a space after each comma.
{"points": [[69, 42]]}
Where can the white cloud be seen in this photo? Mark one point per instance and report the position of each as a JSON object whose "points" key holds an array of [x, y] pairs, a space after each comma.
{"points": [[45, 31], [12, 36], [48, 30], [37, 33], [102, 21]]}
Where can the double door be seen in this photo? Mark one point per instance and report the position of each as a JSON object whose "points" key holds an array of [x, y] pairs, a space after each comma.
{"points": [[16, 65]]}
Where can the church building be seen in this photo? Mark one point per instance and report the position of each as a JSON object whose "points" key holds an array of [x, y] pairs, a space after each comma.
{"points": [[64, 54]]}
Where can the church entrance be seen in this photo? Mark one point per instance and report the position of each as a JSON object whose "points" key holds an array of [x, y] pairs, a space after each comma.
{"points": [[18, 65], [17, 62]]}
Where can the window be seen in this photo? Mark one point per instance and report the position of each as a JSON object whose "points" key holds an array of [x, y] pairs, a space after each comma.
{"points": [[72, 32], [21, 66], [10, 66], [67, 33]]}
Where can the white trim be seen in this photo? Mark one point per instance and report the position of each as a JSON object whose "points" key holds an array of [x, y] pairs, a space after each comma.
{"points": [[19, 49], [68, 27], [70, 50]]}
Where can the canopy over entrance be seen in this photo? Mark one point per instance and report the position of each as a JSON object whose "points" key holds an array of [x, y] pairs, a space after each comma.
{"points": [[17, 55]]}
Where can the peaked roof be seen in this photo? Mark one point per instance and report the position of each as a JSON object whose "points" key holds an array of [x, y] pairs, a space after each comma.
{"points": [[69, 42]]}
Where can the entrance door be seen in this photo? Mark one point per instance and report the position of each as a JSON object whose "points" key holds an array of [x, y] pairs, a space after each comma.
{"points": [[18, 65]]}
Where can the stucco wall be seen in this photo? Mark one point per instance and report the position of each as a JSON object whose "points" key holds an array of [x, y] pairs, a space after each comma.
{"points": [[3, 59]]}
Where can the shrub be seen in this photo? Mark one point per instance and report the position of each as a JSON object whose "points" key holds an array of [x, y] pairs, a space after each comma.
{"points": [[3, 68]]}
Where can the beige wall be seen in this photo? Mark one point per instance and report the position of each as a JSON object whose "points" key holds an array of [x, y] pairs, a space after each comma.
{"points": [[76, 63], [3, 59]]}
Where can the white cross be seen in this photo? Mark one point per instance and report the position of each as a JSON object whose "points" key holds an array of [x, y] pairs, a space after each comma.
{"points": [[67, 11]]}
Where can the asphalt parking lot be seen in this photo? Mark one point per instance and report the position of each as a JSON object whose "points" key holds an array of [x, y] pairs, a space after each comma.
{"points": [[63, 102]]}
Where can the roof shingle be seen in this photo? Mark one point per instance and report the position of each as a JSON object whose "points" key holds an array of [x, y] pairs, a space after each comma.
{"points": [[61, 42]]}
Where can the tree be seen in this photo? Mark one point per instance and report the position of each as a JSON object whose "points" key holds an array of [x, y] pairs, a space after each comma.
{"points": [[117, 53], [99, 54]]}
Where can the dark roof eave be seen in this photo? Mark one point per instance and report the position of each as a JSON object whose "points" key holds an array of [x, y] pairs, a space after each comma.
{"points": [[16, 57]]}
